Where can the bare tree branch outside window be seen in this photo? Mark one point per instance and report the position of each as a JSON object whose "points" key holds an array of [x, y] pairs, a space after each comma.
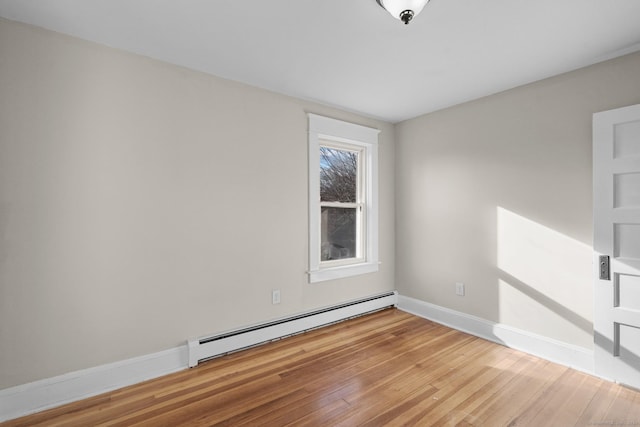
{"points": [[338, 175]]}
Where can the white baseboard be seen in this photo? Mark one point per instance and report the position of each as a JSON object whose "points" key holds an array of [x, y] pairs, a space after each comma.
{"points": [[44, 394], [48, 393], [575, 357]]}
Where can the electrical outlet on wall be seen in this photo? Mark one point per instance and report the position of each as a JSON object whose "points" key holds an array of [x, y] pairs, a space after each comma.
{"points": [[275, 296], [460, 289]]}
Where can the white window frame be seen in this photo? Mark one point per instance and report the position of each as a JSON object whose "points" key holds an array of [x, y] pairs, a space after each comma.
{"points": [[324, 131]]}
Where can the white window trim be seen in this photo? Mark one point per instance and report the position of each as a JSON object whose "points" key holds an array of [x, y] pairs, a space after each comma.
{"points": [[326, 129]]}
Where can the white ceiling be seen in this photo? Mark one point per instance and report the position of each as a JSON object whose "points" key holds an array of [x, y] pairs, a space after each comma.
{"points": [[351, 53]]}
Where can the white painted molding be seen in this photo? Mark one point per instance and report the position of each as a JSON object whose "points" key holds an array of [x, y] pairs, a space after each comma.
{"points": [[44, 394], [575, 357]]}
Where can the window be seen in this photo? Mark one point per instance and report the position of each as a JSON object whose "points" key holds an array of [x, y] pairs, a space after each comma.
{"points": [[342, 207], [343, 191]]}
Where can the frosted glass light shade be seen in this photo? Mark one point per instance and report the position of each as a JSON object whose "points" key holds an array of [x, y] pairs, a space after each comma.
{"points": [[403, 10]]}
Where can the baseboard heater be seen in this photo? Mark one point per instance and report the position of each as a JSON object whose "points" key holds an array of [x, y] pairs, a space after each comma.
{"points": [[206, 348]]}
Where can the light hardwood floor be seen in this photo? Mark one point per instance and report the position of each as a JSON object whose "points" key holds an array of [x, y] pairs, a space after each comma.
{"points": [[387, 368]]}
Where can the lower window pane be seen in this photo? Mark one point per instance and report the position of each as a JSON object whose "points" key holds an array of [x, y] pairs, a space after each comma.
{"points": [[338, 233]]}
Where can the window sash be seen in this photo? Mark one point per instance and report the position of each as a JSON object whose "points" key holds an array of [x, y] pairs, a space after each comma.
{"points": [[360, 232], [358, 205]]}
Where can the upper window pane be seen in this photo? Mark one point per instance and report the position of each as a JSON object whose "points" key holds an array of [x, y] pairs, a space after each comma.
{"points": [[338, 175]]}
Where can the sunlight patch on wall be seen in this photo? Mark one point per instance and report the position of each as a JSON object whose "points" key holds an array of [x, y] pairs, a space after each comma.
{"points": [[542, 270]]}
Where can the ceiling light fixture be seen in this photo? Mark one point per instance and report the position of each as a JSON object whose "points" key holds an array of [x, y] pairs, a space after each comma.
{"points": [[403, 10]]}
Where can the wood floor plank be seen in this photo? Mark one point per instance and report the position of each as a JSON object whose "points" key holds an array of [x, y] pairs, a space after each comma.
{"points": [[467, 411], [387, 368], [505, 407], [624, 409], [453, 388], [431, 385]]}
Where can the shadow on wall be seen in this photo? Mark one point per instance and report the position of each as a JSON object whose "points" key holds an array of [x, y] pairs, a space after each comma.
{"points": [[545, 267], [539, 270], [507, 280]]}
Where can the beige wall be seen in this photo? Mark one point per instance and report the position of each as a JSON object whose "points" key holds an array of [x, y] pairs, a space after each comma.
{"points": [[142, 204], [496, 193]]}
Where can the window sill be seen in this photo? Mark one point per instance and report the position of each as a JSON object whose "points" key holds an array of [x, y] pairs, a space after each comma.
{"points": [[343, 271]]}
